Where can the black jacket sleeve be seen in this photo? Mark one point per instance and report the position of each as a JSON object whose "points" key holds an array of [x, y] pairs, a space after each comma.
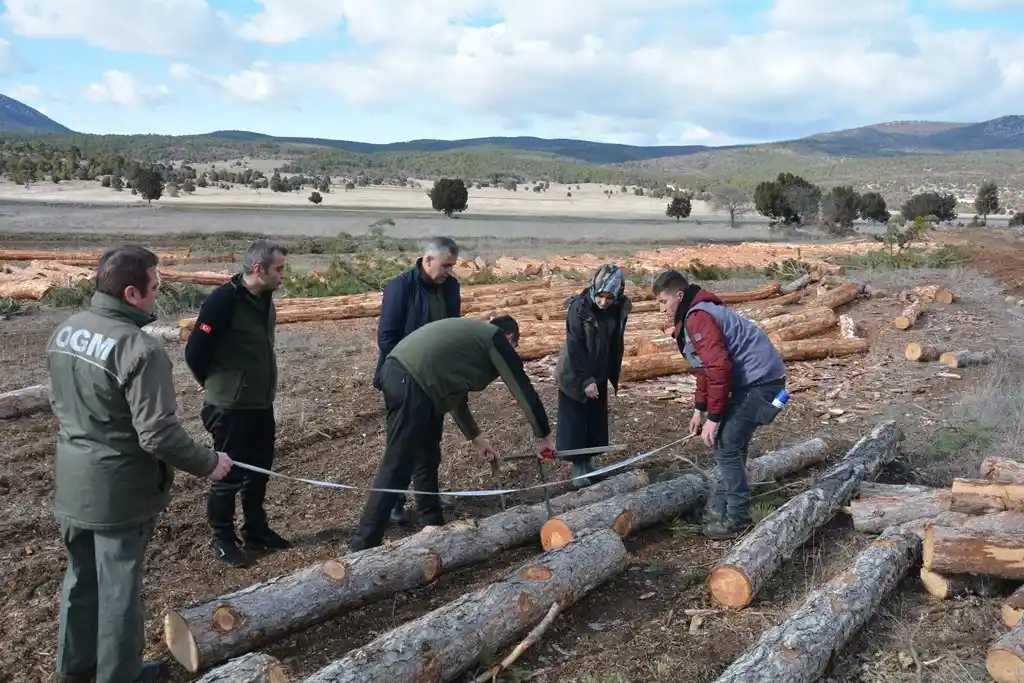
{"points": [[510, 367], [394, 310], [581, 365], [215, 316], [453, 298]]}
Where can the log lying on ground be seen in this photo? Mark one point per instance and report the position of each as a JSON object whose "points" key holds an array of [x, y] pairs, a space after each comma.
{"points": [[873, 515], [800, 648], [922, 353], [653, 365], [83, 258], [167, 333], [443, 644], [1012, 610], [839, 296], [811, 349], [781, 321], [948, 586], [965, 359], [797, 284], [1005, 659], [977, 547], [255, 667], [24, 401], [763, 292], [1002, 470], [906, 319], [195, 277], [1007, 492], [847, 327], [875, 489], [804, 330], [239, 622], [934, 293], [743, 572]]}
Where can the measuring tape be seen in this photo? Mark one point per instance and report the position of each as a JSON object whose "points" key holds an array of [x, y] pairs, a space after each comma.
{"points": [[465, 494]]}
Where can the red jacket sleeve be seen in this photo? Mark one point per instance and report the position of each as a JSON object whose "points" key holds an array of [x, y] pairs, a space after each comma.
{"points": [[709, 344]]}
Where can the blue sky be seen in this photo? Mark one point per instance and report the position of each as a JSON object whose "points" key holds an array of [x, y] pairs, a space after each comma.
{"points": [[634, 71]]}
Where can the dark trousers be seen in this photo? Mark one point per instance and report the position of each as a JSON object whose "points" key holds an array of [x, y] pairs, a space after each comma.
{"points": [[748, 409], [582, 425], [102, 617], [413, 452], [246, 436]]}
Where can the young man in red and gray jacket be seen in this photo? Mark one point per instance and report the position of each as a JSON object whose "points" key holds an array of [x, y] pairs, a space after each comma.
{"points": [[739, 372]]}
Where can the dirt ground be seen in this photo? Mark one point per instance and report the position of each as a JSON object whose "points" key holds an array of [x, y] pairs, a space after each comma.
{"points": [[633, 629]]}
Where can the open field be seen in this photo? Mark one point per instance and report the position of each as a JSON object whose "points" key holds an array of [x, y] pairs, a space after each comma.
{"points": [[635, 628]]}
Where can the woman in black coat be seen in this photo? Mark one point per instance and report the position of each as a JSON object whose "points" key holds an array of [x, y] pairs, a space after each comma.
{"points": [[591, 357]]}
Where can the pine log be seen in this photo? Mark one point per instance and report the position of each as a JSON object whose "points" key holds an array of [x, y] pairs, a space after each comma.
{"points": [[780, 321], [196, 277], [784, 300], [875, 489], [803, 330], [978, 548], [255, 667], [1007, 492], [626, 513], [1005, 659], [847, 327], [840, 296], [167, 333], [24, 401], [934, 293], [443, 644], [922, 353], [800, 648], [1002, 470], [763, 292], [906, 319], [948, 586], [649, 366], [796, 284], [214, 631], [873, 515], [810, 349], [964, 359], [744, 571], [82, 258], [1013, 608]]}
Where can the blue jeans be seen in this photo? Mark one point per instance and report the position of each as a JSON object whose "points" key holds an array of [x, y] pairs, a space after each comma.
{"points": [[749, 408]]}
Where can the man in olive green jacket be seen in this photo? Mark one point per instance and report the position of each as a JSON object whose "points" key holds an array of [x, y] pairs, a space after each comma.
{"points": [[118, 444], [427, 375]]}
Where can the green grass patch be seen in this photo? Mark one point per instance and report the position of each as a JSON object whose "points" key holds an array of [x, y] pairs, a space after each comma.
{"points": [[10, 306], [174, 297], [945, 256], [953, 441]]}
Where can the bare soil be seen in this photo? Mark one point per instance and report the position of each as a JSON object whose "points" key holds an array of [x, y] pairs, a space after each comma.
{"points": [[633, 629]]}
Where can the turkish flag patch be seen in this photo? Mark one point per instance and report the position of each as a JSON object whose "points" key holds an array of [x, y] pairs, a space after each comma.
{"points": [[203, 327]]}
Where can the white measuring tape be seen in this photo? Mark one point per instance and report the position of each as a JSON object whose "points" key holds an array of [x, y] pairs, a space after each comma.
{"points": [[465, 494]]}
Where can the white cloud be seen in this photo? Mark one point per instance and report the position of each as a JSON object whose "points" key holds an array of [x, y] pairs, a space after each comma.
{"points": [[126, 90]]}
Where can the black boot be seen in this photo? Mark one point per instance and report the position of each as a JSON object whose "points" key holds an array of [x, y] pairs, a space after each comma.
{"points": [[255, 530], [151, 672], [227, 551], [398, 514], [220, 512]]}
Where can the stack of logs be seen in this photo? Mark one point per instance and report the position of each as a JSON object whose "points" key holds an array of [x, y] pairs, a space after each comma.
{"points": [[973, 543]]}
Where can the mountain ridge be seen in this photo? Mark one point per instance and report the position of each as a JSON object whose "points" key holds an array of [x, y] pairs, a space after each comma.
{"points": [[18, 117]]}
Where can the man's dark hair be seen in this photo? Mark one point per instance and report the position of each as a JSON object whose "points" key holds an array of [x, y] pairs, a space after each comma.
{"points": [[123, 267], [506, 324], [261, 253], [670, 281]]}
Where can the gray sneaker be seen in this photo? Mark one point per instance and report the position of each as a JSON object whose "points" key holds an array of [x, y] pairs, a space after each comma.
{"points": [[579, 469], [721, 529]]}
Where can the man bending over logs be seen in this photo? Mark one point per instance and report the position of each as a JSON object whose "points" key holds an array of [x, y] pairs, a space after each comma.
{"points": [[738, 373], [428, 374], [426, 292]]}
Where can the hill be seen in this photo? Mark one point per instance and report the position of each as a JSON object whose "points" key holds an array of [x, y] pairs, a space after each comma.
{"points": [[17, 117]]}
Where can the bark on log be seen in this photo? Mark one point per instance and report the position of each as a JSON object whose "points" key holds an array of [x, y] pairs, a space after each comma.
{"points": [[977, 547], [626, 513], [847, 327], [195, 277], [743, 572], [922, 353], [255, 667], [1007, 492], [24, 401], [840, 296], [443, 644], [1013, 608], [1002, 470], [763, 292], [811, 349], [648, 366], [906, 319], [82, 258], [1005, 659], [947, 586], [874, 489], [781, 321], [212, 632], [803, 330], [165, 333], [873, 515], [800, 648], [796, 284], [934, 293], [964, 359]]}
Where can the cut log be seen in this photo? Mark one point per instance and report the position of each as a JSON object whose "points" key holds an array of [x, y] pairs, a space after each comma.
{"points": [[873, 515], [847, 327], [255, 667], [1005, 659], [743, 572], [167, 333], [874, 489], [1013, 608], [803, 330], [82, 258], [648, 366], [922, 353], [443, 644], [978, 548], [780, 321], [1002, 470], [811, 349], [195, 277], [839, 296], [784, 461], [948, 586], [934, 293], [906, 319], [1007, 492], [763, 292], [214, 631], [24, 401], [965, 359], [800, 648], [796, 284]]}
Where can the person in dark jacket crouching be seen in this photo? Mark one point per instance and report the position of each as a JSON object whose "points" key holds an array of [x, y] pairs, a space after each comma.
{"points": [[739, 372], [426, 292], [591, 357]]}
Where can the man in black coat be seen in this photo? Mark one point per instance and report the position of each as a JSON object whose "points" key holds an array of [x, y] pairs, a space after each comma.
{"points": [[424, 293]]}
